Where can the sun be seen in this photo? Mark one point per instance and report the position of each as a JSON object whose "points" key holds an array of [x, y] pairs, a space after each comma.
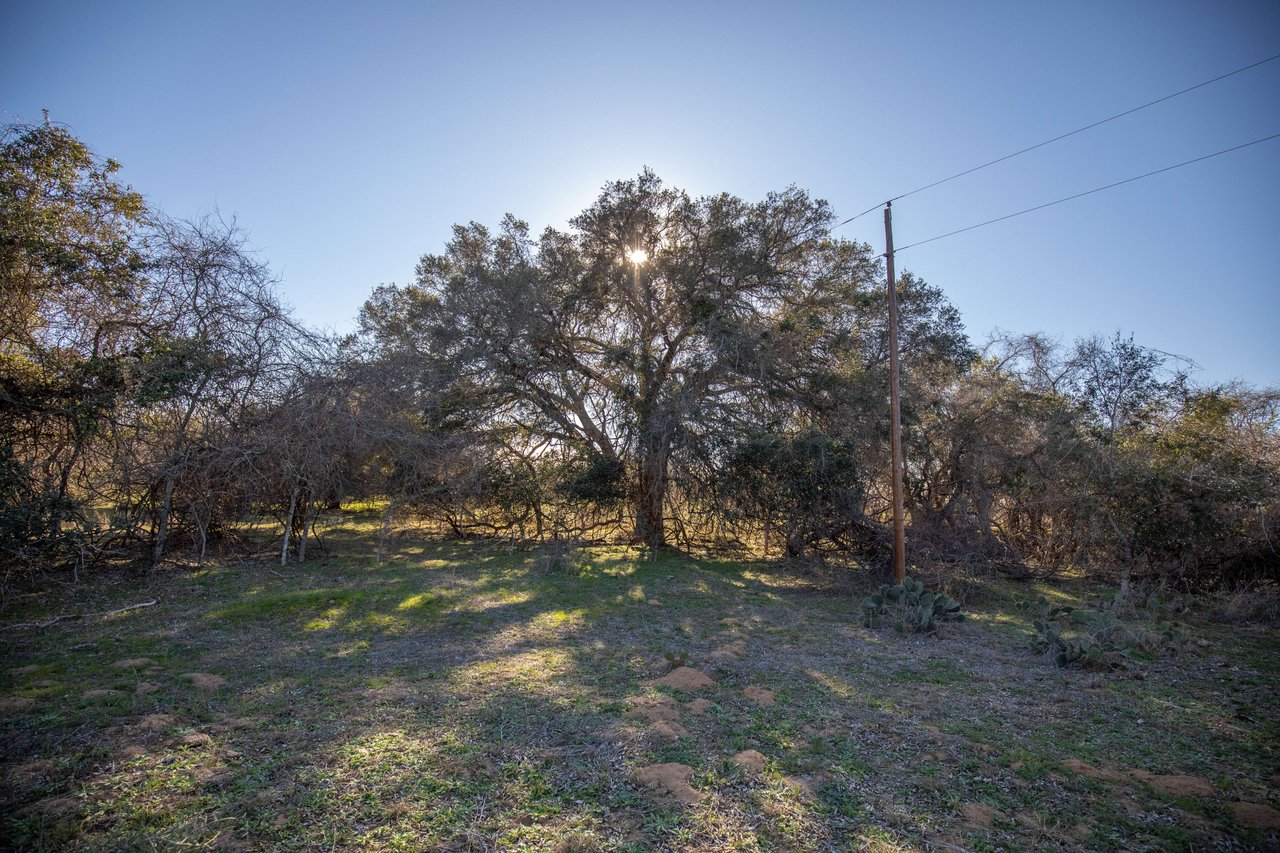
{"points": [[637, 256]]}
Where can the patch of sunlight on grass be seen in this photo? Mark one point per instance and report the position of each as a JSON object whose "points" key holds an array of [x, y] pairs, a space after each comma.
{"points": [[355, 647], [326, 620], [612, 561], [558, 619], [372, 505], [376, 621], [637, 593], [258, 605], [995, 618], [493, 600], [834, 683], [533, 669], [415, 601]]}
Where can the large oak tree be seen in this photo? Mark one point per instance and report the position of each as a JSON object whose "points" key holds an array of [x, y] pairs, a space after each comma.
{"points": [[656, 313]]}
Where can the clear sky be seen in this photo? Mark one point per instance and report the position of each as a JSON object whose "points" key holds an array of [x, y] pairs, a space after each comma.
{"points": [[348, 138]]}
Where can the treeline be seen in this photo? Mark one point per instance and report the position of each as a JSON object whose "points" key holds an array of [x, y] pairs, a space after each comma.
{"points": [[705, 373]]}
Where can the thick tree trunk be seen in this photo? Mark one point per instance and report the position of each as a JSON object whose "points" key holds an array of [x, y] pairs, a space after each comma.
{"points": [[651, 495]]}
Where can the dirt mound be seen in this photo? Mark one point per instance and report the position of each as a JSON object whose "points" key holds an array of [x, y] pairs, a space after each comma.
{"points": [[1255, 814], [1075, 765], [204, 680], [157, 722], [803, 787], [699, 706], [133, 663], [52, 807], [730, 651], [760, 695], [1176, 786], [100, 694], [670, 779], [652, 709], [15, 703], [979, 814], [749, 760], [685, 678], [667, 731]]}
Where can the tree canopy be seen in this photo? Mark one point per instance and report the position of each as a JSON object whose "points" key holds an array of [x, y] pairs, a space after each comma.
{"points": [[702, 372]]}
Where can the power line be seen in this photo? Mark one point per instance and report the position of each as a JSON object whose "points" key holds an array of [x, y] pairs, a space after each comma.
{"points": [[1089, 192], [863, 213], [1088, 126], [1064, 136]]}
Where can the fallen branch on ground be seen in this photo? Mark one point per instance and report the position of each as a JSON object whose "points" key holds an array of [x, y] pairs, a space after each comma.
{"points": [[57, 619]]}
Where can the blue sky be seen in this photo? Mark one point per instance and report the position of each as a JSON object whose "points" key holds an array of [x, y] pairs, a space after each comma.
{"points": [[349, 138]]}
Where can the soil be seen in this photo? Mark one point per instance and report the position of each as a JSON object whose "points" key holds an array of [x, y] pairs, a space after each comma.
{"points": [[749, 760], [732, 651], [670, 779], [1177, 786], [665, 731], [979, 814], [133, 663], [1075, 765], [1255, 814], [685, 678], [653, 710], [205, 681]]}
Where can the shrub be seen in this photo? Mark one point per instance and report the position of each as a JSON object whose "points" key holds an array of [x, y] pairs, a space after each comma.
{"points": [[1096, 637], [559, 556]]}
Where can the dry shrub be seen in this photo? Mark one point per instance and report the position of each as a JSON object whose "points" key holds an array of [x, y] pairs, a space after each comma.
{"points": [[559, 556], [1246, 604]]}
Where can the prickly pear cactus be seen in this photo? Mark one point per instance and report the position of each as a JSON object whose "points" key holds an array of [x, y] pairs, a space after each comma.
{"points": [[913, 609]]}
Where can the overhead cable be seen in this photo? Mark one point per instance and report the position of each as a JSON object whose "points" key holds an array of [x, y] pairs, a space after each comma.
{"points": [[1064, 136], [1089, 192]]}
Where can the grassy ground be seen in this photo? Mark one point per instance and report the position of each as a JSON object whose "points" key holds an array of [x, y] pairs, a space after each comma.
{"points": [[453, 698]]}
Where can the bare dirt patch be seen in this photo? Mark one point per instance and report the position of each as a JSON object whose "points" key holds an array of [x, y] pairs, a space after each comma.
{"points": [[205, 680], [1255, 814], [750, 760], [28, 775], [133, 663], [100, 694], [979, 814], [1075, 765], [157, 722], [760, 695], [730, 651], [15, 703], [670, 779], [665, 731], [698, 706], [53, 807], [1176, 786], [685, 678], [652, 709]]}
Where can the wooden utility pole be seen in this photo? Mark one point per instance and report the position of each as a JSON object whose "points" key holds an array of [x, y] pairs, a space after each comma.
{"points": [[895, 413]]}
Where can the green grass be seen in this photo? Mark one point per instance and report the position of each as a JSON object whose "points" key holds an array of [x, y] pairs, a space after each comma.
{"points": [[453, 697]]}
